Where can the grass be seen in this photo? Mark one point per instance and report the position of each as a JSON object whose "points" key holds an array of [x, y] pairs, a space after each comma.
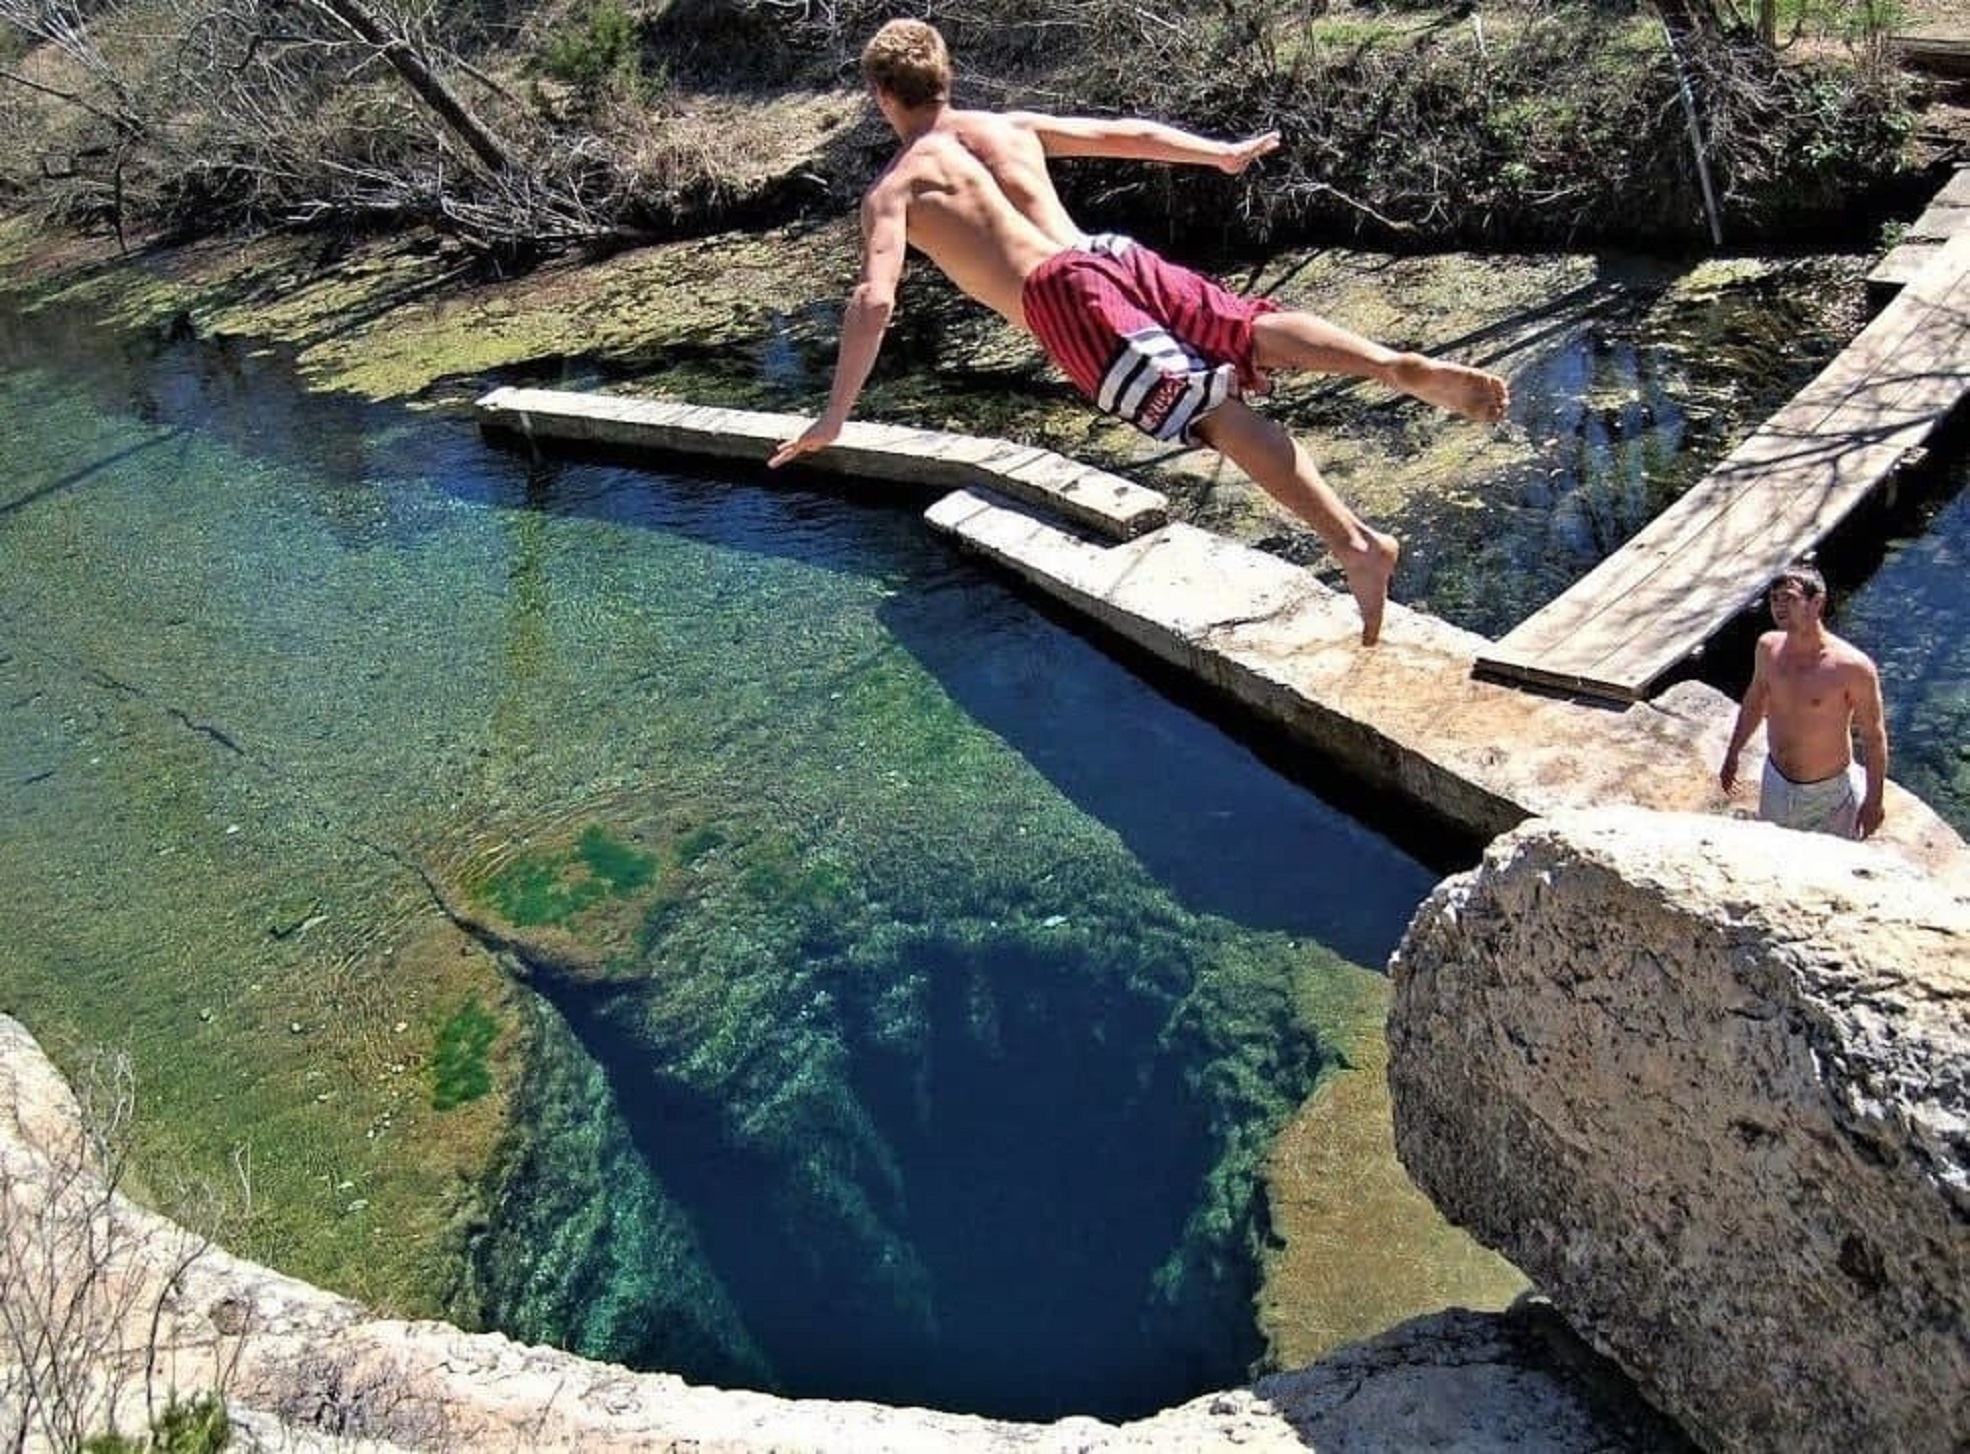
{"points": [[196, 1425], [1829, 19]]}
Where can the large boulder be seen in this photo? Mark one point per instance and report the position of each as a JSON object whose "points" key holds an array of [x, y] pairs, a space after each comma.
{"points": [[1707, 1083]]}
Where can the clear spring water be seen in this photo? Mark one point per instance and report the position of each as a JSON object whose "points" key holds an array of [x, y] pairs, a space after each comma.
{"points": [[1902, 597], [981, 974]]}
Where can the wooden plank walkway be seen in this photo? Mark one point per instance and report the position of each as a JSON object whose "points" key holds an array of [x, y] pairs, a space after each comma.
{"points": [[1091, 498], [1940, 50], [1947, 214], [1659, 598]]}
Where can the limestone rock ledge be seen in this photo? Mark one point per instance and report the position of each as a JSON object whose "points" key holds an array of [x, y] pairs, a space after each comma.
{"points": [[1707, 1083], [303, 1369]]}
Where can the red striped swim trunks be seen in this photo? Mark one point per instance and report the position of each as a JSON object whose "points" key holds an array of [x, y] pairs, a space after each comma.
{"points": [[1145, 339]]}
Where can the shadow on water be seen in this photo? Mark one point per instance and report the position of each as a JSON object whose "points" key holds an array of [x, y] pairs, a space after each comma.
{"points": [[80, 475], [1194, 789], [1173, 798]]}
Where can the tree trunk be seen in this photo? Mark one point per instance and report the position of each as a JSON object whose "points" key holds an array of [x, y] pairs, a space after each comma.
{"points": [[408, 64], [1693, 17]]}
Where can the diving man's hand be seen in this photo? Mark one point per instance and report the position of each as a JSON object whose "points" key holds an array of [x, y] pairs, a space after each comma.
{"points": [[817, 436]]}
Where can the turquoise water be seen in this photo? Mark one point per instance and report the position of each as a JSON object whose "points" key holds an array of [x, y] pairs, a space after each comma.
{"points": [[1905, 602], [969, 978]]}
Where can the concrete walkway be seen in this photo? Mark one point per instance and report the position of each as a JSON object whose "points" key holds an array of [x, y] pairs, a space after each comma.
{"points": [[1105, 503]]}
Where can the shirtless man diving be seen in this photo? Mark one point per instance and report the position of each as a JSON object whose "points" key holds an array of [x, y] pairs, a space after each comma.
{"points": [[1172, 352], [1814, 693]]}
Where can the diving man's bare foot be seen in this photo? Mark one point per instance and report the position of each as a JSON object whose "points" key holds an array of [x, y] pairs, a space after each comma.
{"points": [[1368, 573], [1473, 393]]}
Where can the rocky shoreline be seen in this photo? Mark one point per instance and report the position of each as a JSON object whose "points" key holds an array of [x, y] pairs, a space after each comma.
{"points": [[300, 1368]]}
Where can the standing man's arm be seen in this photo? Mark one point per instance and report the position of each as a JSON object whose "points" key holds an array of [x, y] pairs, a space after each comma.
{"points": [[1871, 727], [1749, 714], [885, 236], [1134, 139]]}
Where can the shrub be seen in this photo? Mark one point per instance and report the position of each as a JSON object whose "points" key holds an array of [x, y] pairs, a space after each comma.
{"points": [[601, 49], [196, 1425]]}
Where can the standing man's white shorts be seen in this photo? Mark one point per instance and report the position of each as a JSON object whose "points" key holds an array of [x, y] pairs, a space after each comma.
{"points": [[1831, 805]]}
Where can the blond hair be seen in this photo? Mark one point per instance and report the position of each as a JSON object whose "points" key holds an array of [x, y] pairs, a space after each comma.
{"points": [[906, 60]]}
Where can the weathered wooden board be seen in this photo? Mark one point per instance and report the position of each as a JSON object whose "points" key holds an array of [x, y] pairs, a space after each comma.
{"points": [[1947, 214], [1663, 594], [1938, 54]]}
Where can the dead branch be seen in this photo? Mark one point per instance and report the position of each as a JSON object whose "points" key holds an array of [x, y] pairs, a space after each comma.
{"points": [[409, 62], [82, 1283]]}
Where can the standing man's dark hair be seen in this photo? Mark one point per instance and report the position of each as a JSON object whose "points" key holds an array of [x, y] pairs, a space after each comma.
{"points": [[1806, 576]]}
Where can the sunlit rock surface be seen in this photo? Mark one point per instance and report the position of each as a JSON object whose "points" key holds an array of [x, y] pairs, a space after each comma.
{"points": [[303, 1369], [1707, 1083]]}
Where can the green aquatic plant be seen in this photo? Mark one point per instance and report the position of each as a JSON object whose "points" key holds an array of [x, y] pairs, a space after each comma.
{"points": [[532, 892], [696, 842], [621, 868], [459, 1072], [590, 1250], [551, 887]]}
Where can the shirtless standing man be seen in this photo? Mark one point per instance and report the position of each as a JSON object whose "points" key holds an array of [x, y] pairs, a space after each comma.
{"points": [[1814, 692], [1167, 349]]}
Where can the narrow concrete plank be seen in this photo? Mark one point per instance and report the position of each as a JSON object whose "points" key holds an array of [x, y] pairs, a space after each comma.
{"points": [[1087, 496]]}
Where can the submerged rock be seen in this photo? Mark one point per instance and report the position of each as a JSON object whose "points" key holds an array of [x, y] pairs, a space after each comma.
{"points": [[1707, 1082]]}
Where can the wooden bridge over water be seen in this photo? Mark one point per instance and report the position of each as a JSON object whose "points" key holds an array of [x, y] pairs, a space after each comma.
{"points": [[1655, 602]]}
